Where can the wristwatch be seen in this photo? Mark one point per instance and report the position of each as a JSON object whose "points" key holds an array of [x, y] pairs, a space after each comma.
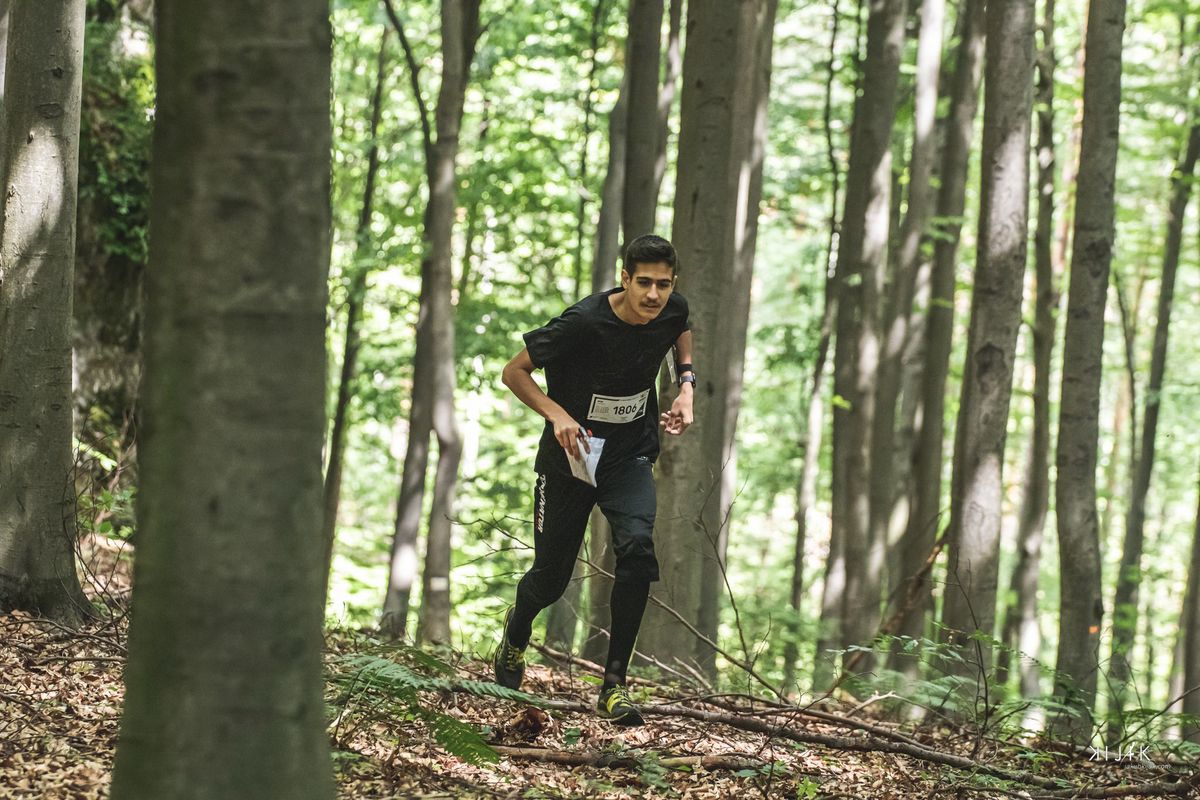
{"points": [[689, 378]]}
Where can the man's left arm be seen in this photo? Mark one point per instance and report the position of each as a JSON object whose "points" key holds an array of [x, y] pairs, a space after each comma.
{"points": [[677, 420]]}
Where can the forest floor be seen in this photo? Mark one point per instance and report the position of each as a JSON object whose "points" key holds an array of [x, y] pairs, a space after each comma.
{"points": [[61, 693]]}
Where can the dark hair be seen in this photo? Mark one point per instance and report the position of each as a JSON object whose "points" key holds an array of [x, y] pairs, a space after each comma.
{"points": [[650, 249]]}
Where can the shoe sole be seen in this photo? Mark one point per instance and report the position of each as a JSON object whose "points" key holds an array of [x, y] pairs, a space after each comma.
{"points": [[631, 719]]}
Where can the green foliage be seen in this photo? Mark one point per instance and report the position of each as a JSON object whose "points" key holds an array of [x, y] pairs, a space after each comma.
{"points": [[116, 124], [401, 685]]}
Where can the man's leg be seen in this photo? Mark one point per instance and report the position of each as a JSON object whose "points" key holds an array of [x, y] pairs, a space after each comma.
{"points": [[627, 499], [561, 505]]}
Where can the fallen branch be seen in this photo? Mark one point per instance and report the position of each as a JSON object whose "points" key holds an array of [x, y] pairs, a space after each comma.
{"points": [[771, 706], [595, 758], [876, 744]]}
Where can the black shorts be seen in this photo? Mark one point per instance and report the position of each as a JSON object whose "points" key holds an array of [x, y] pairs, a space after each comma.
{"points": [[561, 507]]}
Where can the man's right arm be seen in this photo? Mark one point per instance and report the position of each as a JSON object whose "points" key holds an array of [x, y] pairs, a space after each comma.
{"points": [[518, 377]]}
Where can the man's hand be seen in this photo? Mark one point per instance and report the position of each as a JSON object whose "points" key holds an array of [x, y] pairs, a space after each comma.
{"points": [[569, 434], [679, 418]]}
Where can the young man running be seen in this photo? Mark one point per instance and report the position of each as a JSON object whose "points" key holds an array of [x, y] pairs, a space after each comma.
{"points": [[601, 359]]}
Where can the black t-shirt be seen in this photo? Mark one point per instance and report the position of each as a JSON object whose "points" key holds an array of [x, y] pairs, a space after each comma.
{"points": [[602, 371]]}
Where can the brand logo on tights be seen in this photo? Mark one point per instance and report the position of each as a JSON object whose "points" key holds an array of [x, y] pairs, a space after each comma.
{"points": [[539, 516]]}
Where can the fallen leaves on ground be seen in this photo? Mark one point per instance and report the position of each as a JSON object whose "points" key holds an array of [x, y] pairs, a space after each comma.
{"points": [[61, 693]]}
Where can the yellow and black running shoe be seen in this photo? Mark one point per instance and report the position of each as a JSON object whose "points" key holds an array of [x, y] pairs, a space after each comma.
{"points": [[509, 660], [614, 704]]}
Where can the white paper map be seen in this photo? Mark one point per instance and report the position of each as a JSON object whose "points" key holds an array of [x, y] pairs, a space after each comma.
{"points": [[584, 467]]}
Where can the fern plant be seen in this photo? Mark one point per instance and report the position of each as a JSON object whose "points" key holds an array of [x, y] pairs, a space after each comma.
{"points": [[399, 687]]}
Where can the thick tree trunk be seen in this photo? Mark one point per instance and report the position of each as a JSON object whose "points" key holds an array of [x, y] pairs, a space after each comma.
{"points": [[40, 147], [432, 409], [1021, 637], [1191, 641], [716, 208], [1125, 616], [977, 485], [355, 299], [643, 51], [223, 684], [862, 261], [1082, 607]]}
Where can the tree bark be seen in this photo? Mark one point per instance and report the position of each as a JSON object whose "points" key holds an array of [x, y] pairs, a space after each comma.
{"points": [[432, 408], [563, 615], [1022, 637], [923, 522], [355, 299], [1125, 600], [806, 484], [460, 34], [643, 51], [1191, 641], [862, 262], [668, 91], [900, 314], [1082, 607], [977, 484], [223, 683], [37, 255], [725, 81], [604, 277]]}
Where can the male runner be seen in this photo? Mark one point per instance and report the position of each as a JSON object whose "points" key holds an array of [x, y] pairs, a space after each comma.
{"points": [[601, 359]]}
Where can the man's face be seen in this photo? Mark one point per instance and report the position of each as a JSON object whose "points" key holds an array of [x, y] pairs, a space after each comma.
{"points": [[647, 289]]}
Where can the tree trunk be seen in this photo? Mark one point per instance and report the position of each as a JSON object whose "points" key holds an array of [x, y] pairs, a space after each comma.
{"points": [[1082, 607], [725, 77], [1125, 616], [223, 684], [37, 256], [806, 484], [563, 615], [1021, 636], [460, 33], [432, 409], [604, 277], [1191, 641], [923, 521], [977, 484], [667, 92], [862, 261], [354, 309], [899, 314], [641, 149]]}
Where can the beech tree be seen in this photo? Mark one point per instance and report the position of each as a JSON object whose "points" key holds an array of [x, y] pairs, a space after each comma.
{"points": [[974, 535], [915, 599], [37, 254], [1125, 607], [1190, 626], [432, 405], [1082, 607], [726, 74], [858, 283], [1021, 634], [223, 683], [355, 299]]}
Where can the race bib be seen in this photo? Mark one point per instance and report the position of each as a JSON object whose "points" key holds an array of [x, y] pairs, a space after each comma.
{"points": [[618, 409]]}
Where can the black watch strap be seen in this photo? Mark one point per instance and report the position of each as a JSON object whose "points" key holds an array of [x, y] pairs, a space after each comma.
{"points": [[689, 378]]}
